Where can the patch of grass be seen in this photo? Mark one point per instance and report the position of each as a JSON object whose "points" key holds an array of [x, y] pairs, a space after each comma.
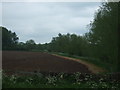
{"points": [[96, 62], [61, 80]]}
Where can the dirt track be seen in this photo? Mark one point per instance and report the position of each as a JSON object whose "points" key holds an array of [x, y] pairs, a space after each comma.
{"points": [[42, 62]]}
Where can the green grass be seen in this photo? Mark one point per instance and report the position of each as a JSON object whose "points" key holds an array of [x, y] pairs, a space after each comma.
{"points": [[61, 80]]}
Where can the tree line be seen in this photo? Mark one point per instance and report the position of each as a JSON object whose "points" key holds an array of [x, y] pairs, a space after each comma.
{"points": [[10, 41], [100, 42]]}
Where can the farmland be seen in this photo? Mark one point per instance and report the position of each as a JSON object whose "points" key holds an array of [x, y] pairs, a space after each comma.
{"points": [[43, 70], [15, 61]]}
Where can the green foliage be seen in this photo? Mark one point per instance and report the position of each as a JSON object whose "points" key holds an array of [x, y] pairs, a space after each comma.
{"points": [[21, 46], [9, 39], [103, 35], [69, 43], [10, 42], [61, 80], [30, 44]]}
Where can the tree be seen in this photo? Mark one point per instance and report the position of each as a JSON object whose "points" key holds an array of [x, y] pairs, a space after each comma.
{"points": [[21, 46], [9, 39], [103, 35], [69, 43], [30, 44]]}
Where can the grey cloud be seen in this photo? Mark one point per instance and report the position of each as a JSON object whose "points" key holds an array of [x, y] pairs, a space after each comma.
{"points": [[42, 21]]}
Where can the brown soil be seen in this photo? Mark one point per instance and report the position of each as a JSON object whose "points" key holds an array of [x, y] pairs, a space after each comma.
{"points": [[41, 62], [91, 67]]}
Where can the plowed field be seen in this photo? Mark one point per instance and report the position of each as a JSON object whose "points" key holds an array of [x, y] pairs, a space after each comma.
{"points": [[39, 62]]}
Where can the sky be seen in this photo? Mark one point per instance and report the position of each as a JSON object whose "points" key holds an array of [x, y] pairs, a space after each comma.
{"points": [[41, 21]]}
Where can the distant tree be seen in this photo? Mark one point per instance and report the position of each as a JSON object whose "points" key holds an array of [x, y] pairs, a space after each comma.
{"points": [[39, 47], [9, 39], [21, 46], [69, 43], [30, 44]]}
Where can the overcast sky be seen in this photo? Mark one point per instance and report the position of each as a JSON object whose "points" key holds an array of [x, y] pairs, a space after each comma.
{"points": [[41, 21]]}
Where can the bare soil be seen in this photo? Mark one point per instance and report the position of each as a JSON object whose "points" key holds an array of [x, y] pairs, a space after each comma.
{"points": [[39, 62], [91, 67]]}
